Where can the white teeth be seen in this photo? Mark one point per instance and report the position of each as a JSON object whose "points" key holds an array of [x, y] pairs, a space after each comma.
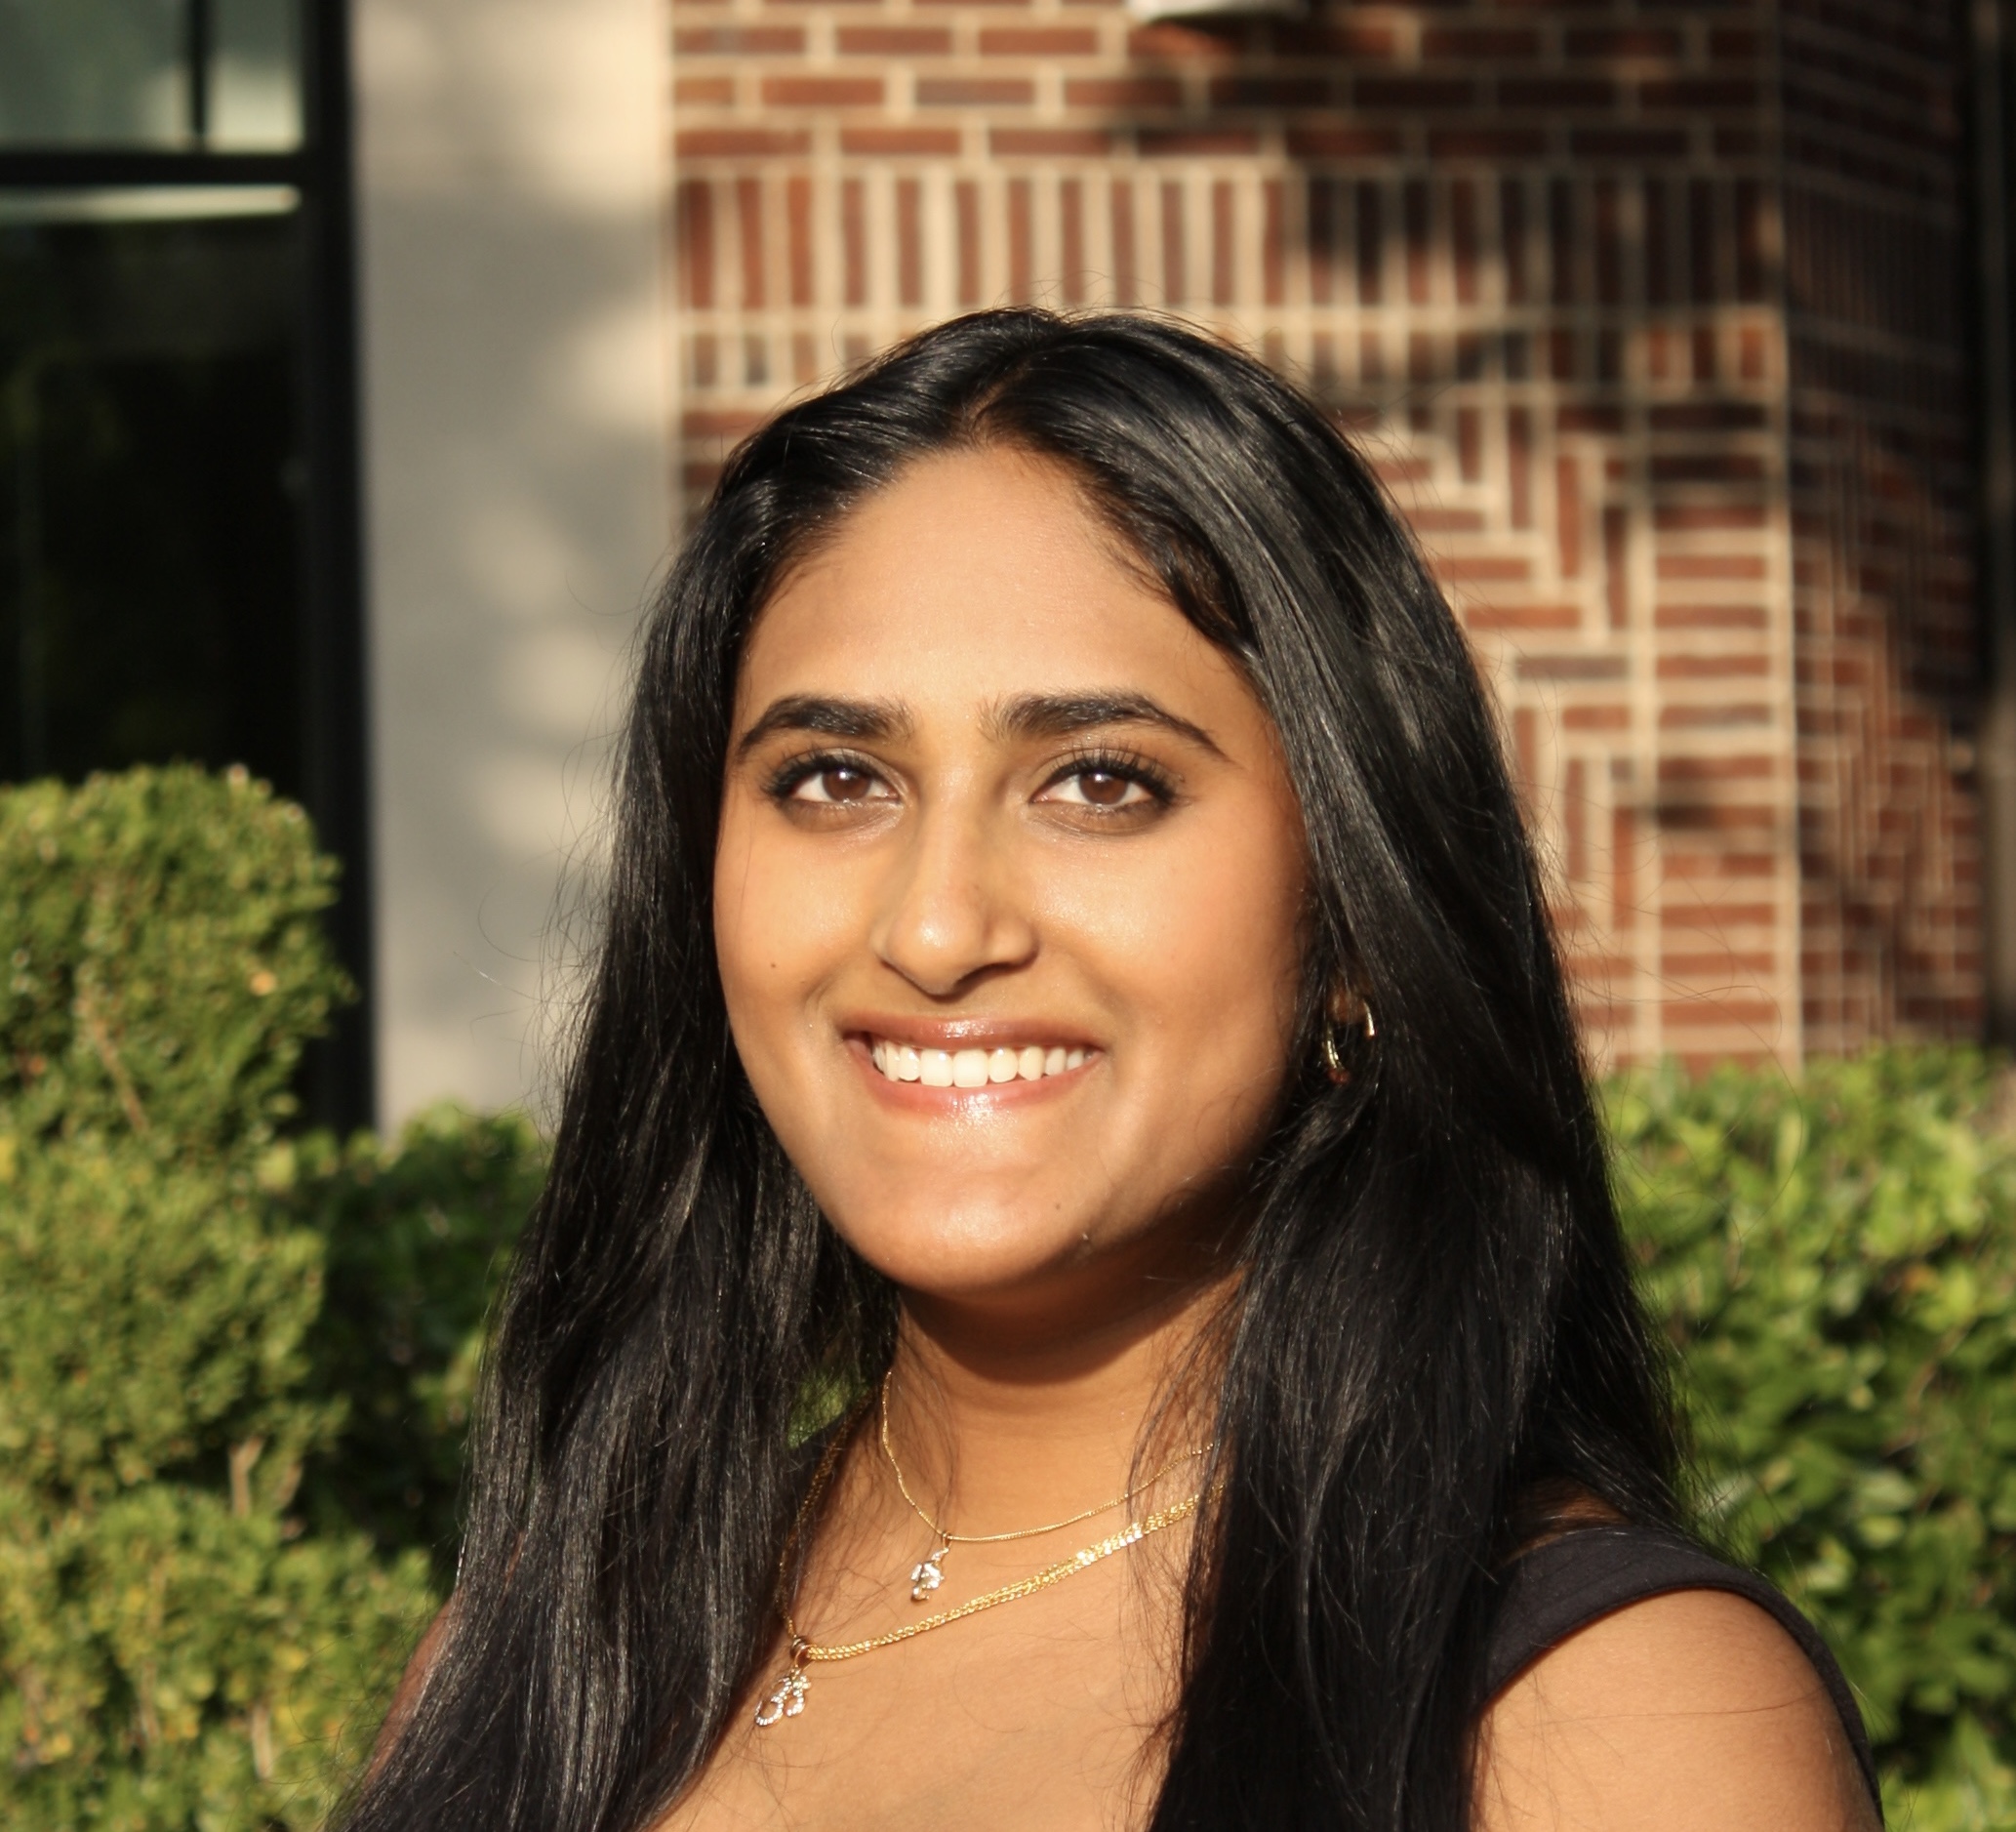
{"points": [[969, 1068], [972, 1068]]}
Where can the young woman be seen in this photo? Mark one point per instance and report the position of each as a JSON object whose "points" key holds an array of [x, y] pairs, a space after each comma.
{"points": [[1078, 1288]]}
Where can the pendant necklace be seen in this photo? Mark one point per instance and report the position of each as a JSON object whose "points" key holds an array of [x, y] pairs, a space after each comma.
{"points": [[929, 1572], [787, 1698]]}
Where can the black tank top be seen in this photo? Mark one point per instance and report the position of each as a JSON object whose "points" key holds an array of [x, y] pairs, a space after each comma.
{"points": [[1567, 1583]]}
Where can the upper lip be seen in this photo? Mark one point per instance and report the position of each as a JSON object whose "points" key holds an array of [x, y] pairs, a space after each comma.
{"points": [[956, 1034]]}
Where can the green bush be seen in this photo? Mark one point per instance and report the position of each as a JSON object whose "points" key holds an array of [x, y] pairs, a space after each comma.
{"points": [[231, 1360], [1835, 1262], [236, 1358]]}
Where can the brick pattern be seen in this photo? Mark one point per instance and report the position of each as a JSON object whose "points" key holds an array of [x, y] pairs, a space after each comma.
{"points": [[1876, 274], [1535, 256]]}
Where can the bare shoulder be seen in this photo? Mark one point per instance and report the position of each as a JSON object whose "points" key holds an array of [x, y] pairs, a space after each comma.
{"points": [[1687, 1711]]}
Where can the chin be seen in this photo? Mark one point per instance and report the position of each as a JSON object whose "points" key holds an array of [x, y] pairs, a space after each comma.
{"points": [[972, 1252]]}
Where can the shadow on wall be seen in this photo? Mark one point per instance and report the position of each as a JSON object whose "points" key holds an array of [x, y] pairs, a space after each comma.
{"points": [[1544, 270], [510, 170]]}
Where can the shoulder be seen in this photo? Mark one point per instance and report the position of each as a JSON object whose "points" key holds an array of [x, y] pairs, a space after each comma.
{"points": [[1693, 1708]]}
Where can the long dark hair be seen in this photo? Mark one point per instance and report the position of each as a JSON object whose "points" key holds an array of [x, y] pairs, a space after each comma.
{"points": [[1436, 1314]]}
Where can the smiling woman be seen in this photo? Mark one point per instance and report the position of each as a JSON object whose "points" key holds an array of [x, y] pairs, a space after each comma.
{"points": [[1078, 1288]]}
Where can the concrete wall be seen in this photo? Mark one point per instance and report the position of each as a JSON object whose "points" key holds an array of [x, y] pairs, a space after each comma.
{"points": [[510, 166]]}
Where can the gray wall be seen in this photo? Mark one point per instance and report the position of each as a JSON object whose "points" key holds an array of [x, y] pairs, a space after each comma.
{"points": [[511, 162]]}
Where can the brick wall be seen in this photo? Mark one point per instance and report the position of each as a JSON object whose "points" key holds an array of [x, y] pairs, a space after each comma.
{"points": [[1875, 275], [1536, 255]]}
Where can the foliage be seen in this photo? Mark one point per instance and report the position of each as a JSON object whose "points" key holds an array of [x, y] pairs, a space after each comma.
{"points": [[236, 1358], [1835, 1262], [200, 1607], [416, 1241]]}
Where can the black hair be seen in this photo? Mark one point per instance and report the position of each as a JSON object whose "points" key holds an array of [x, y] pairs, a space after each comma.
{"points": [[1436, 1316]]}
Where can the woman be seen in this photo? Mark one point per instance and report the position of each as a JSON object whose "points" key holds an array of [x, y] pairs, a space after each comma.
{"points": [[1077, 1287]]}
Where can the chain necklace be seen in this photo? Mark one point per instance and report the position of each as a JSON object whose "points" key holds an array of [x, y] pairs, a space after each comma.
{"points": [[929, 1572], [787, 1698]]}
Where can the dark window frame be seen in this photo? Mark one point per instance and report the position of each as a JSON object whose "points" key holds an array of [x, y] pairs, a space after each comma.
{"points": [[340, 1081]]}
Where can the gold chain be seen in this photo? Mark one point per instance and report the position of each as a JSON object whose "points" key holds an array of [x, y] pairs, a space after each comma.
{"points": [[1021, 1532], [786, 1699]]}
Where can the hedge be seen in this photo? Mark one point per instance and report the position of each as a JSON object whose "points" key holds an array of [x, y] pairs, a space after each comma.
{"points": [[236, 1356]]}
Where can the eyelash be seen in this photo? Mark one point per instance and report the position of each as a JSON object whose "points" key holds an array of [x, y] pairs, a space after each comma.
{"points": [[1128, 766], [785, 780]]}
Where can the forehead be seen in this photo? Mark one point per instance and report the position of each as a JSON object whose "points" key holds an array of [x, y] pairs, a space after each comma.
{"points": [[972, 577]]}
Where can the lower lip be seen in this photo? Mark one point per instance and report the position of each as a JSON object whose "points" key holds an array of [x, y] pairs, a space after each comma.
{"points": [[917, 1098]]}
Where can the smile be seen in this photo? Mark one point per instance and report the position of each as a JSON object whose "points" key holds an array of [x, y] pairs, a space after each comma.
{"points": [[973, 1068]]}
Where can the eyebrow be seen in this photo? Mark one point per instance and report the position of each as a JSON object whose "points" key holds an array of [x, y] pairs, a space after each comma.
{"points": [[1026, 715], [831, 717], [1061, 714]]}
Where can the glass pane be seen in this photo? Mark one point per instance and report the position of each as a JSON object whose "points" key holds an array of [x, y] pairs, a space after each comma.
{"points": [[104, 72], [151, 480], [255, 75]]}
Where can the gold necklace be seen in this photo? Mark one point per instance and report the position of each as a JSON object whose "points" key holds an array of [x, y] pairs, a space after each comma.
{"points": [[787, 1698], [929, 1572]]}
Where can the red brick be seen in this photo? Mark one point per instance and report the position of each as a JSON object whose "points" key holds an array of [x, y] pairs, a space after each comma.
{"points": [[1619, 43], [1049, 143], [1628, 142], [1123, 91], [1484, 44], [1522, 616], [1361, 41], [1343, 143], [1710, 617], [1678, 516], [893, 41], [741, 143], [1710, 566], [1487, 142], [1713, 667], [739, 41], [1696, 93], [823, 92], [1414, 93], [1708, 416], [697, 91], [960, 92], [1196, 143], [1038, 41], [1270, 92], [1556, 93], [1706, 468], [871, 143]]}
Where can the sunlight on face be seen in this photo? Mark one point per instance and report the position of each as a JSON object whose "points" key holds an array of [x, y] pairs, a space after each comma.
{"points": [[1008, 893]]}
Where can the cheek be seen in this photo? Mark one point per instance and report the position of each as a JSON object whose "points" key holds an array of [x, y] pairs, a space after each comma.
{"points": [[774, 938], [1202, 946]]}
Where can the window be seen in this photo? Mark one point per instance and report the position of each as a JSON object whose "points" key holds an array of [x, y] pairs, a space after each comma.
{"points": [[178, 504]]}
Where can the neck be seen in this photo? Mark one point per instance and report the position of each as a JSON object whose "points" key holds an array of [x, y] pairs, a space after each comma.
{"points": [[1000, 1419]]}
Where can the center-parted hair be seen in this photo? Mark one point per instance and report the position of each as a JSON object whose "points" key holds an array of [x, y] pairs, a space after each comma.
{"points": [[1437, 1317]]}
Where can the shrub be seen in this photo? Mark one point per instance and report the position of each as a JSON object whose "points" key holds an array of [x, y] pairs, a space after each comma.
{"points": [[235, 1360], [176, 1646], [1835, 1263]]}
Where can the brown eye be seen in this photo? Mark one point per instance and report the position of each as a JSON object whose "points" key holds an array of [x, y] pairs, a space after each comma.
{"points": [[840, 785], [1110, 792]]}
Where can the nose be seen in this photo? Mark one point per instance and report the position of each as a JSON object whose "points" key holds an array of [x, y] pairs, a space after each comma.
{"points": [[950, 911]]}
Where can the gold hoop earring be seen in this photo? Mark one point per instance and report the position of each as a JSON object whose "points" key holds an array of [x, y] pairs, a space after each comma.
{"points": [[1346, 1007]]}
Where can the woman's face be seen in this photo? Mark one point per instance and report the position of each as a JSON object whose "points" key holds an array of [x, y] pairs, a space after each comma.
{"points": [[1008, 894]]}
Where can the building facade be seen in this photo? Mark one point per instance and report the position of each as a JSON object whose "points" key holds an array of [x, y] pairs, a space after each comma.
{"points": [[396, 336], [1651, 316]]}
